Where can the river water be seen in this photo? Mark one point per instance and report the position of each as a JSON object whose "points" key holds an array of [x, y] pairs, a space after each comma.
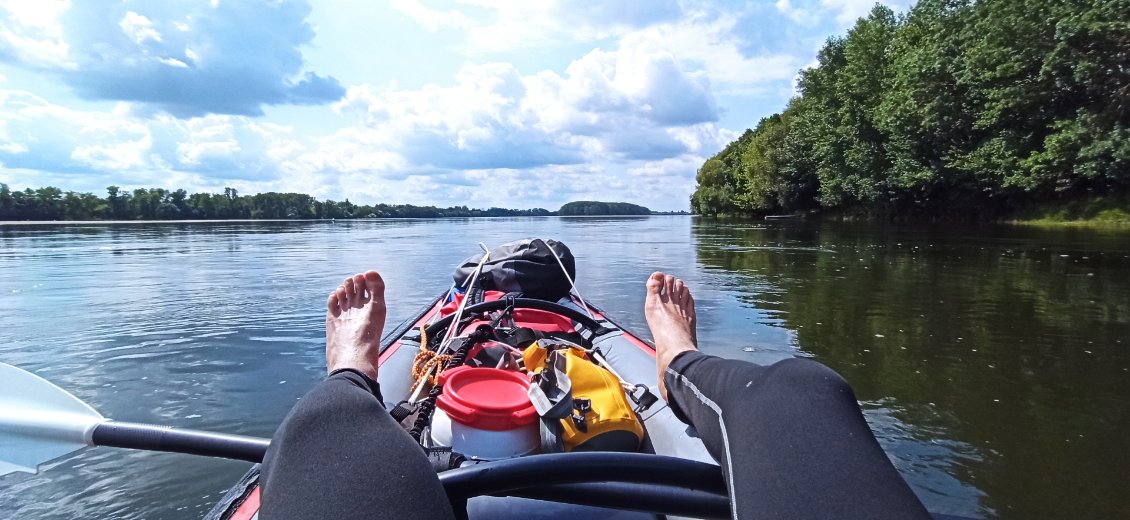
{"points": [[992, 363]]}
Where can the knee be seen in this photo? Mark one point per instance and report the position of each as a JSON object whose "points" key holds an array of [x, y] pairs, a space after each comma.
{"points": [[800, 376]]}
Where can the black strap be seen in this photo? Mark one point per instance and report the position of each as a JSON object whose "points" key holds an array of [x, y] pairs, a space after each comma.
{"points": [[444, 458], [402, 410], [642, 396], [520, 337]]}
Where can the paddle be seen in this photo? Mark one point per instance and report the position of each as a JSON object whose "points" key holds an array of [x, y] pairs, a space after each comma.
{"points": [[40, 422]]}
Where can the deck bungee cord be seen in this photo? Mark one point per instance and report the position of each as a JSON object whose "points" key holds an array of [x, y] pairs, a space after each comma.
{"points": [[455, 323], [572, 285]]}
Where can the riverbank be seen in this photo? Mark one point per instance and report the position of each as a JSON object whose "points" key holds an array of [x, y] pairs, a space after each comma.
{"points": [[1106, 211], [1098, 212]]}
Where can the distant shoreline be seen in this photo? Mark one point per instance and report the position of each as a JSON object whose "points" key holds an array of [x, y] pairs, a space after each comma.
{"points": [[326, 220]]}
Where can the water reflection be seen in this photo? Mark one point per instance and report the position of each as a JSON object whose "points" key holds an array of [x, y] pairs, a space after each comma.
{"points": [[993, 357]]}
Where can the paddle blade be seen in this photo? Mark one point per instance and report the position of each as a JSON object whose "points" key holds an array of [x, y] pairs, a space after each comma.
{"points": [[39, 421]]}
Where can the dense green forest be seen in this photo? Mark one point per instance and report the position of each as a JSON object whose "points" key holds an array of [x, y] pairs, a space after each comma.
{"points": [[958, 109], [160, 204], [587, 207]]}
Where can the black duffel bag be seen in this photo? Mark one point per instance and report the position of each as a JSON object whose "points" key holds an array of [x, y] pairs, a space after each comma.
{"points": [[524, 266]]}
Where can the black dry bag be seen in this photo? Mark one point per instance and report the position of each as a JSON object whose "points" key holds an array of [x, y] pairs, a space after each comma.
{"points": [[525, 266]]}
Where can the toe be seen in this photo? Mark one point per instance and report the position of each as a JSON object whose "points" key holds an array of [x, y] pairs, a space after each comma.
{"points": [[342, 298], [669, 286], [678, 293], [362, 296], [375, 285], [654, 283], [332, 305], [350, 290]]}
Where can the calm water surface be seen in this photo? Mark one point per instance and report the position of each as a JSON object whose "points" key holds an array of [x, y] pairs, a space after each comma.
{"points": [[992, 363]]}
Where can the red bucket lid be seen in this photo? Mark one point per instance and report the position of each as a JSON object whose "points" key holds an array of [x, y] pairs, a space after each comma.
{"points": [[486, 398]]}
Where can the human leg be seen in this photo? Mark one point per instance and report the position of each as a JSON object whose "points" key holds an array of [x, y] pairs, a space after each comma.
{"points": [[338, 453], [790, 436]]}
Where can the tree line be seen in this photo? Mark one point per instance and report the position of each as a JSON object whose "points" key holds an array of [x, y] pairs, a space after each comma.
{"points": [[160, 204], [956, 109]]}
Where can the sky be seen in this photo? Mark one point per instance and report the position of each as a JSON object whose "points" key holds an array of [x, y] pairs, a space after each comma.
{"points": [[482, 103]]}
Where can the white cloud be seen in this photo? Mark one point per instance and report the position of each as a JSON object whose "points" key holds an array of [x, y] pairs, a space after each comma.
{"points": [[182, 58], [503, 25], [40, 135], [31, 32], [699, 37], [713, 46], [139, 28], [52, 137], [13, 148], [610, 105], [431, 19], [845, 12], [173, 62], [496, 136], [798, 15], [123, 155], [208, 137]]}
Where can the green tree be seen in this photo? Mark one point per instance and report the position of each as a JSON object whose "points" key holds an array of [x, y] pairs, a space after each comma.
{"points": [[49, 203], [118, 202], [82, 206], [849, 156], [7, 203], [762, 181], [179, 199], [1088, 146], [958, 109], [719, 181]]}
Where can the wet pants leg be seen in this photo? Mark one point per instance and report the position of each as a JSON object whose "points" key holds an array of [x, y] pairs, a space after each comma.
{"points": [[339, 454], [790, 438]]}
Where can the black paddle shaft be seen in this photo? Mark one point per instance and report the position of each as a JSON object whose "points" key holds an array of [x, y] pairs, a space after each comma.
{"points": [[193, 442]]}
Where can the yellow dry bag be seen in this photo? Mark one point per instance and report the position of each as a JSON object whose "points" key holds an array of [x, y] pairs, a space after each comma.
{"points": [[600, 417]]}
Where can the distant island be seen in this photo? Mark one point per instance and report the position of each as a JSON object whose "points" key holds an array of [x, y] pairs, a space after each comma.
{"points": [[50, 203], [960, 110], [588, 207]]}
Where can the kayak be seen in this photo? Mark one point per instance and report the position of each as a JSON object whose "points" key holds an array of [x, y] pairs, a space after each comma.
{"points": [[667, 472]]}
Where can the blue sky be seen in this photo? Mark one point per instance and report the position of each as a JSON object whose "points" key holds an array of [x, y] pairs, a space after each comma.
{"points": [[447, 102]]}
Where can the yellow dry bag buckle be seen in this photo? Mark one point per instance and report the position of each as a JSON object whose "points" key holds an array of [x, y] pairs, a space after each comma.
{"points": [[551, 392], [582, 407]]}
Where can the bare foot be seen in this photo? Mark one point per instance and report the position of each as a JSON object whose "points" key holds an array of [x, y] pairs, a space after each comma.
{"points": [[669, 310], [355, 318]]}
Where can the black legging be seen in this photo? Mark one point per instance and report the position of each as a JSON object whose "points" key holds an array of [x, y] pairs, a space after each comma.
{"points": [[339, 454], [790, 438]]}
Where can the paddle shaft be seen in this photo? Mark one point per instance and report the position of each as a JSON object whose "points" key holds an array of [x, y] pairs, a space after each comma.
{"points": [[174, 440]]}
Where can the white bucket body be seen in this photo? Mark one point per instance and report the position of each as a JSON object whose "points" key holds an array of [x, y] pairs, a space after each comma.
{"points": [[484, 444]]}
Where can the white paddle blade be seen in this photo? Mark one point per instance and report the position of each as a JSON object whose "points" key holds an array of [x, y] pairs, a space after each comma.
{"points": [[39, 421]]}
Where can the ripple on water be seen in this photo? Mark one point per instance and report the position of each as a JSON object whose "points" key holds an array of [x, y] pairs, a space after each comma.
{"points": [[966, 317], [922, 451]]}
